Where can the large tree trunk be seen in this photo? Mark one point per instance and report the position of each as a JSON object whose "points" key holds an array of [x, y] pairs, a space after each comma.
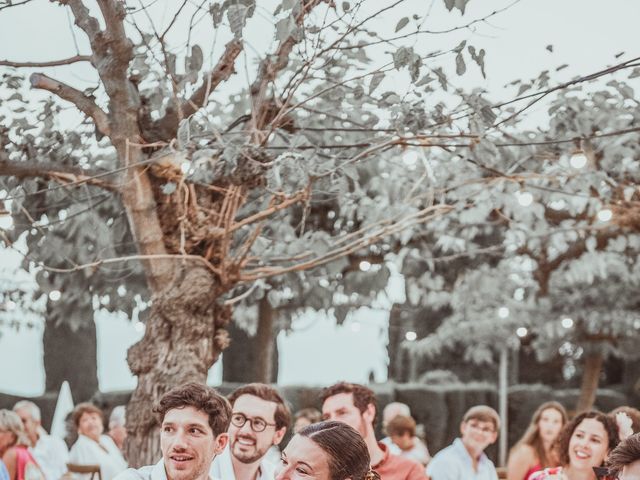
{"points": [[62, 342], [184, 336], [590, 377], [265, 341], [245, 358]]}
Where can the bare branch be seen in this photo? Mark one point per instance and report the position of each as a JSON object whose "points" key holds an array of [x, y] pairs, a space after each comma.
{"points": [[87, 23], [64, 173], [53, 63], [270, 67], [70, 94], [222, 71]]}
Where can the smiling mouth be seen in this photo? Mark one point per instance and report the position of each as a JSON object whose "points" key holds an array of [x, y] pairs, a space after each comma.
{"points": [[582, 455], [245, 442], [179, 459]]}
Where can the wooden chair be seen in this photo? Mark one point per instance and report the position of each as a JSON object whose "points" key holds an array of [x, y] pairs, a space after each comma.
{"points": [[85, 469]]}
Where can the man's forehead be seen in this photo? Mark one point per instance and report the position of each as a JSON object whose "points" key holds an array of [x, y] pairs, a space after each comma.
{"points": [[190, 415], [255, 406], [339, 400]]}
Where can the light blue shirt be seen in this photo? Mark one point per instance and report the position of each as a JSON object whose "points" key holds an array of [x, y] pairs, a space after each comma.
{"points": [[455, 463], [4, 474]]}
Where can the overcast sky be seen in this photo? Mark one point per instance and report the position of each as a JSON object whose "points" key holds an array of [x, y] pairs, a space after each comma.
{"points": [[585, 34]]}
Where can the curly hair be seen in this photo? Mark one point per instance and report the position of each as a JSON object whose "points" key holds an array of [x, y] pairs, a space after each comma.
{"points": [[348, 456], [201, 397], [362, 396], [562, 443], [83, 408], [282, 416]]}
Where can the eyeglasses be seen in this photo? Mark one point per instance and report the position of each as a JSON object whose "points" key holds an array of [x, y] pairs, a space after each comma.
{"points": [[257, 424], [480, 428]]}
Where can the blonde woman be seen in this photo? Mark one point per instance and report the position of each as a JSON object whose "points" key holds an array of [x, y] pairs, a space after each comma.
{"points": [[14, 449]]}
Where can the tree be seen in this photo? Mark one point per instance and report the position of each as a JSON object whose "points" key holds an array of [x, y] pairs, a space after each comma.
{"points": [[570, 232], [206, 189]]}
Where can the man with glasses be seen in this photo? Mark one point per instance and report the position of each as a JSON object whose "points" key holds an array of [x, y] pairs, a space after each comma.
{"points": [[465, 459], [259, 420]]}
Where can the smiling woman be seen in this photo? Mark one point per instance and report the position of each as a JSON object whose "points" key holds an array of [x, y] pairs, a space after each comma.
{"points": [[92, 447], [326, 451], [583, 444]]}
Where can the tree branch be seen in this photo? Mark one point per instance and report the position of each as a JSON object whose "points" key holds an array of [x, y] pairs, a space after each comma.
{"points": [[222, 71], [53, 63], [270, 67], [70, 94], [54, 171]]}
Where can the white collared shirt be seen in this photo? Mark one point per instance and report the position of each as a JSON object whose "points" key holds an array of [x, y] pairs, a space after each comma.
{"points": [[51, 454], [455, 463], [106, 454], [222, 467]]}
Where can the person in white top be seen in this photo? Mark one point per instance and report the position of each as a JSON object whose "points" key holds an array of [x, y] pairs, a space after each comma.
{"points": [[50, 452], [413, 447], [194, 420], [259, 420], [92, 447], [117, 428], [465, 459]]}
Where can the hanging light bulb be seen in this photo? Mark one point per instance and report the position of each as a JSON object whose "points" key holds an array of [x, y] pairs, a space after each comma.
{"points": [[522, 332], [578, 159], [524, 198], [605, 215]]}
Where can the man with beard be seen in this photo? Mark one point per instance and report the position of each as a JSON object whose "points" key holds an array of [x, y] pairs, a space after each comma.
{"points": [[259, 420], [194, 420], [355, 405]]}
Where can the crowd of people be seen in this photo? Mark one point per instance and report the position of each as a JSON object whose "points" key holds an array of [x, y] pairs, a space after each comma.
{"points": [[204, 435]]}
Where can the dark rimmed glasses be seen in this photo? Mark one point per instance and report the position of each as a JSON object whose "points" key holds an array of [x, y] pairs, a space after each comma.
{"points": [[257, 424]]}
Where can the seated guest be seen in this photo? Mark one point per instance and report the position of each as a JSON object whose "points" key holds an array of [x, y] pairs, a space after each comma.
{"points": [[355, 405], [92, 447], [117, 430], [419, 452], [465, 458], [14, 449], [624, 460], [50, 452], [402, 432], [534, 451], [583, 444], [326, 451], [305, 417], [193, 420]]}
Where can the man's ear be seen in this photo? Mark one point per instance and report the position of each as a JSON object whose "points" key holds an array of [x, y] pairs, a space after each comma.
{"points": [[369, 414], [221, 442], [279, 435], [461, 428]]}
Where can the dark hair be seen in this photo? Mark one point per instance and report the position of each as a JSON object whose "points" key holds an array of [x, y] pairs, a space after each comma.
{"points": [[532, 436], [362, 396], [401, 424], [627, 451], [282, 417], [345, 447], [83, 408], [562, 443], [201, 397]]}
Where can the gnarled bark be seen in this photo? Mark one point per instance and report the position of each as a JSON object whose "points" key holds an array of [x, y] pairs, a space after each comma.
{"points": [[184, 337]]}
